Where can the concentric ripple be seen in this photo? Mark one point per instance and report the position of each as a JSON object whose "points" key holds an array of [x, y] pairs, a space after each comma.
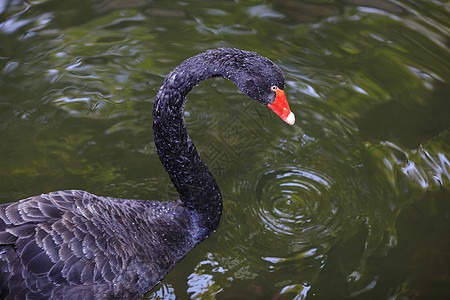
{"points": [[289, 202], [286, 200]]}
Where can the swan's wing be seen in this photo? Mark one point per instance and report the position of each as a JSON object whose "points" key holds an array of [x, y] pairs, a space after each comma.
{"points": [[74, 243], [48, 248]]}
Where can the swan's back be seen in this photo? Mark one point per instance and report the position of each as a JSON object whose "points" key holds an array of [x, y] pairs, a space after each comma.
{"points": [[75, 245]]}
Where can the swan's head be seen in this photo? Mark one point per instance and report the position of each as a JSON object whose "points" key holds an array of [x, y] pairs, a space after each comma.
{"points": [[261, 79]]}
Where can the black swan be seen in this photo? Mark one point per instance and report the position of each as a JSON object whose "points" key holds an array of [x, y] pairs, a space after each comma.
{"points": [[76, 245]]}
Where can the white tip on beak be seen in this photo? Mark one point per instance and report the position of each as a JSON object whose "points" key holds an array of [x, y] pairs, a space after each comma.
{"points": [[290, 119]]}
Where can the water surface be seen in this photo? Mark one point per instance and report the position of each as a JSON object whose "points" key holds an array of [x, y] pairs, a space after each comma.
{"points": [[350, 202]]}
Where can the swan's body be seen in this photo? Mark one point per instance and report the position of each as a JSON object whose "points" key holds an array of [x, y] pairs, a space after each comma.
{"points": [[75, 245]]}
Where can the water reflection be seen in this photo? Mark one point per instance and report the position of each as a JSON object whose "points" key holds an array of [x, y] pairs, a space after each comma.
{"points": [[427, 167], [340, 205]]}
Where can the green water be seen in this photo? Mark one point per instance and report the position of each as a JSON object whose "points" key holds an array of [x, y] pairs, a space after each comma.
{"points": [[352, 202]]}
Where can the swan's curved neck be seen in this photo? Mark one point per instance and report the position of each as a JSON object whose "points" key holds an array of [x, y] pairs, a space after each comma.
{"points": [[192, 179]]}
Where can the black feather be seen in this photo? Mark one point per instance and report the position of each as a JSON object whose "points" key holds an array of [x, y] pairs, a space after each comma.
{"points": [[7, 238]]}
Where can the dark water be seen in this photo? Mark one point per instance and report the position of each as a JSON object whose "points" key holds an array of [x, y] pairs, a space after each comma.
{"points": [[351, 202]]}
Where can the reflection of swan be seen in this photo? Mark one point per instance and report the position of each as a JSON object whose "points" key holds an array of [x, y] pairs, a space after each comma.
{"points": [[72, 244]]}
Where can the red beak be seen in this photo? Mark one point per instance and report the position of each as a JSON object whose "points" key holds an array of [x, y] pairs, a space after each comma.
{"points": [[280, 106]]}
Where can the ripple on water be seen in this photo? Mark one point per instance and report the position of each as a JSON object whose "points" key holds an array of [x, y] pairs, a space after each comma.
{"points": [[294, 213], [286, 199]]}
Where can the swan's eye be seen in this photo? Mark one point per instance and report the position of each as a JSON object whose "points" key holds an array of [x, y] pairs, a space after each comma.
{"points": [[274, 88]]}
